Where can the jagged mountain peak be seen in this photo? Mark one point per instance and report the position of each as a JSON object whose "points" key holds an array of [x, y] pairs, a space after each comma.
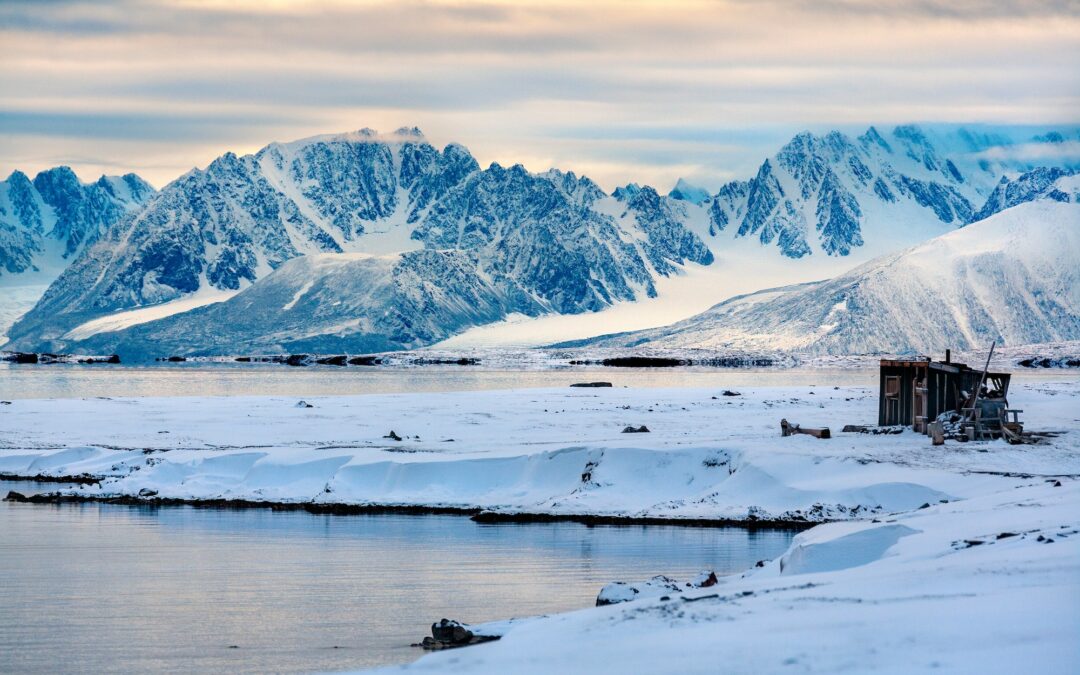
{"points": [[686, 191], [626, 192], [47, 221], [871, 137], [58, 175], [404, 135]]}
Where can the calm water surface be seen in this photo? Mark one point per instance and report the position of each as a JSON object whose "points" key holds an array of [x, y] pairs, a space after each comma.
{"points": [[67, 381], [103, 588]]}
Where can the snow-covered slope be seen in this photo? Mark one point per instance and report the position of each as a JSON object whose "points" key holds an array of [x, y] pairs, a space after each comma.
{"points": [[350, 302], [47, 222], [1013, 278]]}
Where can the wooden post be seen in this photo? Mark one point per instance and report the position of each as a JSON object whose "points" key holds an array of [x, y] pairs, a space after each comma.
{"points": [[937, 433]]}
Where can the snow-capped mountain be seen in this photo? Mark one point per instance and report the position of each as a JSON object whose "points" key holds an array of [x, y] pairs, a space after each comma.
{"points": [[47, 222], [531, 243], [545, 239], [1012, 277], [832, 194], [1061, 185]]}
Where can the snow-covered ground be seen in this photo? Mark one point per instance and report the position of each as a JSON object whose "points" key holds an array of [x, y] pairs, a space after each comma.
{"points": [[546, 451], [962, 558]]}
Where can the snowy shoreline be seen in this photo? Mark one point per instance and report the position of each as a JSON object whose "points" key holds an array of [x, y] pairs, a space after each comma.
{"points": [[987, 585]]}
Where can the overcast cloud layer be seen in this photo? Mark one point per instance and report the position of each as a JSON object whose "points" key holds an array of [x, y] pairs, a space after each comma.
{"points": [[644, 91]]}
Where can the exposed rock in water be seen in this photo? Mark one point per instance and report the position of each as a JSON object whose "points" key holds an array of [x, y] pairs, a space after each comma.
{"points": [[339, 360], [1049, 363], [449, 634], [21, 357], [636, 430], [453, 632], [365, 361], [298, 360]]}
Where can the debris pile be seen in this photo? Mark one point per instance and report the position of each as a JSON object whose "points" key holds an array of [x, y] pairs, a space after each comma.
{"points": [[789, 429]]}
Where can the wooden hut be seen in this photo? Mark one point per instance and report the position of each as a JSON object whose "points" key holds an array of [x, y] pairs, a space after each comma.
{"points": [[913, 392]]}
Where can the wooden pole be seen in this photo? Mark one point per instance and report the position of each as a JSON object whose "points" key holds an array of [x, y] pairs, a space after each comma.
{"points": [[986, 369]]}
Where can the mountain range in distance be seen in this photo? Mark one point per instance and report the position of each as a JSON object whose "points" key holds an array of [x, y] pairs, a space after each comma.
{"points": [[364, 242]]}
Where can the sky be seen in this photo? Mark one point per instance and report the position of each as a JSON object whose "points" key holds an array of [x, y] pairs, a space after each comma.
{"points": [[643, 91]]}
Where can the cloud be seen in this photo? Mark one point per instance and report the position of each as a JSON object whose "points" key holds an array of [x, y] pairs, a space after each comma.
{"points": [[132, 126], [705, 86]]}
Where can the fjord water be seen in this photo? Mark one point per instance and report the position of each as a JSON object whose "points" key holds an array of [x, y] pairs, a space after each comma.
{"points": [[215, 379], [108, 588]]}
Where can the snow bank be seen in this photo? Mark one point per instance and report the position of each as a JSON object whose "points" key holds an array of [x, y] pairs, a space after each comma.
{"points": [[841, 552]]}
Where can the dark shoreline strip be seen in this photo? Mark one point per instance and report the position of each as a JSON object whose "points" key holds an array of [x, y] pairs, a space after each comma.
{"points": [[592, 519], [81, 479], [476, 514]]}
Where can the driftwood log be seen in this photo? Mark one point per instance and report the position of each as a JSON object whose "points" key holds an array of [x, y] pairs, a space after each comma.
{"points": [[789, 429]]}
